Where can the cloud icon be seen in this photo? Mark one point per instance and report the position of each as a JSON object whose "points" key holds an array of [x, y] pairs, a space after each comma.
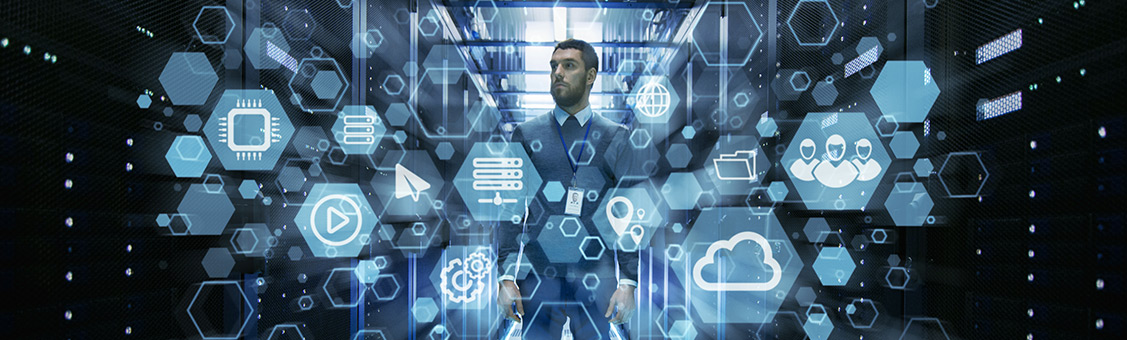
{"points": [[729, 244]]}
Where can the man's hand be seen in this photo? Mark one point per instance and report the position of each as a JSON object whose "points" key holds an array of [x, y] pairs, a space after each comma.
{"points": [[623, 300], [507, 293]]}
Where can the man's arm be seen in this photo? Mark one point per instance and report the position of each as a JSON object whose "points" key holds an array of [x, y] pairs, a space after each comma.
{"points": [[507, 234], [622, 163], [505, 237]]}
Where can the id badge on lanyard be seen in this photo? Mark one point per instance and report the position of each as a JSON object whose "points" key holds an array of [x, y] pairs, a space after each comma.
{"points": [[574, 199]]}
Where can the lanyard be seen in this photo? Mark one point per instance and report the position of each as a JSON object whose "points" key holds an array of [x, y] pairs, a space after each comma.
{"points": [[574, 166]]}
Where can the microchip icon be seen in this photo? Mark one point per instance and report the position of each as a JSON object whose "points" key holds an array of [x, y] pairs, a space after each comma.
{"points": [[248, 130]]}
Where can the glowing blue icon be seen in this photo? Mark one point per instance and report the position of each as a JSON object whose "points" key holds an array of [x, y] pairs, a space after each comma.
{"points": [[248, 129], [336, 220], [463, 279], [739, 257], [358, 129], [734, 167], [407, 183], [653, 100], [709, 258], [834, 161], [496, 180]]}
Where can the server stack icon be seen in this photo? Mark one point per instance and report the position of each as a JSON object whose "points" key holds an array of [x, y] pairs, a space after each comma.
{"points": [[359, 130], [497, 174]]}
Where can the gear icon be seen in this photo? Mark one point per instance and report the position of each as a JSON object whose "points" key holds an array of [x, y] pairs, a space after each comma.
{"points": [[478, 265], [463, 280]]}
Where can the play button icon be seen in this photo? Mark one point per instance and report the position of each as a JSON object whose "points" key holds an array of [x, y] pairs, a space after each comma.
{"points": [[334, 227], [342, 220]]}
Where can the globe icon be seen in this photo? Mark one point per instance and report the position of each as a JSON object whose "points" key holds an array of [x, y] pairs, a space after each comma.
{"points": [[652, 100]]}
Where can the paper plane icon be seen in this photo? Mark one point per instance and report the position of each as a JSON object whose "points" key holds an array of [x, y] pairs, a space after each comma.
{"points": [[333, 213], [408, 183]]}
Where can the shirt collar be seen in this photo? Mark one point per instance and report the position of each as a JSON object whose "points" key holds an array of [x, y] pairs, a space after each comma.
{"points": [[583, 115]]}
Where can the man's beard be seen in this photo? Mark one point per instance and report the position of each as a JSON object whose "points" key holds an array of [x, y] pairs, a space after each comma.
{"points": [[567, 97]]}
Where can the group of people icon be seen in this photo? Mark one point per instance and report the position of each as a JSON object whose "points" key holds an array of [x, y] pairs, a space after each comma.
{"points": [[834, 172]]}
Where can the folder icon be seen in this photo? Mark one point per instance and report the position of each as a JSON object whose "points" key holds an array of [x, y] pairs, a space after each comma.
{"points": [[734, 167]]}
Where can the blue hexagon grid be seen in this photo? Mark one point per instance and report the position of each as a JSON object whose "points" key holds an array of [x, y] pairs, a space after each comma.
{"points": [[143, 101], [812, 32], [248, 189], [192, 122], [397, 114], [319, 84], [338, 288], [358, 129], [727, 261], [834, 266], [679, 155], [363, 44], [561, 240], [188, 78], [681, 190], [207, 25], [835, 160], [909, 204], [207, 212], [818, 324], [627, 218], [218, 263], [800, 81], [923, 167], [285, 331], [188, 156], [736, 165], [825, 92], [244, 240], [963, 174], [777, 191], [326, 84], [248, 129], [554, 191], [333, 219], [904, 144], [862, 313], [906, 90], [216, 297], [497, 181], [742, 27], [298, 24], [654, 100]]}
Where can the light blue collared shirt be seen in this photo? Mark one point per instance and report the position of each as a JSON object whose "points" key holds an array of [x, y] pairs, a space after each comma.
{"points": [[583, 115]]}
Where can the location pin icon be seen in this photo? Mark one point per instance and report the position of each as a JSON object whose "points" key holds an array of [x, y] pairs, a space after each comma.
{"points": [[636, 233], [619, 224]]}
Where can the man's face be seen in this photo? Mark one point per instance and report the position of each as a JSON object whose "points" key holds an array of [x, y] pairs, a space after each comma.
{"points": [[570, 77]]}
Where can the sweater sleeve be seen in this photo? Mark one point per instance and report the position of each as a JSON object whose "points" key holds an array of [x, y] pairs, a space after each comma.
{"points": [[622, 160], [507, 234]]}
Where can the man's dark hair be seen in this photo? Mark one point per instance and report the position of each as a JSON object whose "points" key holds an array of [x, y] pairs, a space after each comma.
{"points": [[590, 59]]}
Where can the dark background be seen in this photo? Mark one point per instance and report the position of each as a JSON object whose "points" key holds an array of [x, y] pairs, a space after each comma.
{"points": [[972, 270]]}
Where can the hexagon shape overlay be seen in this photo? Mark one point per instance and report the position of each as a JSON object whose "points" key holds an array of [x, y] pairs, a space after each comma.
{"points": [[333, 218], [835, 160]]}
